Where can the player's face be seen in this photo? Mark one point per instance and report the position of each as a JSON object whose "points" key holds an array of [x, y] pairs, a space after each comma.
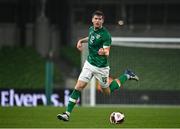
{"points": [[97, 21]]}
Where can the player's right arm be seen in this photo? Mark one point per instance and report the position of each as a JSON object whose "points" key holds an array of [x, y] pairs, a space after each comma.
{"points": [[79, 43]]}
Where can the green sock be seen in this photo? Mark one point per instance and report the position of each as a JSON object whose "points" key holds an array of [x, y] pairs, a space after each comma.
{"points": [[123, 78], [114, 84], [72, 100]]}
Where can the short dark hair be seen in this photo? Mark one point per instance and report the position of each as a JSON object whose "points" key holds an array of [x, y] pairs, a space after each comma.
{"points": [[98, 13]]}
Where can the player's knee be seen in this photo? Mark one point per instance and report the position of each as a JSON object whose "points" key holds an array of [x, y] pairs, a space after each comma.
{"points": [[80, 86]]}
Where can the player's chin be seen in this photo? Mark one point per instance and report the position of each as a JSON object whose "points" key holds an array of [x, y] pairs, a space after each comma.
{"points": [[97, 26]]}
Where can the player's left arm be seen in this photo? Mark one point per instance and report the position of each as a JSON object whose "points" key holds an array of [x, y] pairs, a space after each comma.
{"points": [[106, 46]]}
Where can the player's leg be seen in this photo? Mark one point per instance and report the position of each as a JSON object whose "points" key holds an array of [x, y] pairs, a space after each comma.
{"points": [[116, 83], [75, 95], [83, 79], [72, 100]]}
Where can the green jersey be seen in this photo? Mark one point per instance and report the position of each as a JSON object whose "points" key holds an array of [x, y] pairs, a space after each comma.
{"points": [[98, 39]]}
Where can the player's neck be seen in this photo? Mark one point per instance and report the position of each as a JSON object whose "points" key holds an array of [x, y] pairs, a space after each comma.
{"points": [[97, 28]]}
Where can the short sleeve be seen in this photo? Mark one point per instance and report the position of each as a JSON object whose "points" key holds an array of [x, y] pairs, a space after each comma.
{"points": [[107, 40]]}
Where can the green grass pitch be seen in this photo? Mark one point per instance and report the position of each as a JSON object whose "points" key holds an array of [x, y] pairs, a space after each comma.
{"points": [[86, 117]]}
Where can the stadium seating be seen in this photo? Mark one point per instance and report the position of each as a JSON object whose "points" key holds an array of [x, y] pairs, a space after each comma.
{"points": [[21, 68]]}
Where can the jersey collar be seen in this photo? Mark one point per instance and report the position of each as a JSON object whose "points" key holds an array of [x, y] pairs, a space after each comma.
{"points": [[98, 29]]}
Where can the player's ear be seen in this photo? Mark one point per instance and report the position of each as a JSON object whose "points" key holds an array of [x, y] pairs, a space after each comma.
{"points": [[92, 20], [103, 20]]}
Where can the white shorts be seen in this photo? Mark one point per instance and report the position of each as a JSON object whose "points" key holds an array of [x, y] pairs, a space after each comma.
{"points": [[102, 74]]}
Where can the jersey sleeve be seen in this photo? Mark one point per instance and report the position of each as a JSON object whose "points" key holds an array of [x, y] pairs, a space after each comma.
{"points": [[107, 40]]}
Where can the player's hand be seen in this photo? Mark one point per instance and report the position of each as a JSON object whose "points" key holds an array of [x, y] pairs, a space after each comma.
{"points": [[101, 51], [104, 51], [79, 45]]}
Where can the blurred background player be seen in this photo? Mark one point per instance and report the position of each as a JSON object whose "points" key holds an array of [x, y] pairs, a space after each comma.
{"points": [[99, 42]]}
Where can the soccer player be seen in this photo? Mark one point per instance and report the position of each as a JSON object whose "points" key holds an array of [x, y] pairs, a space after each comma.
{"points": [[99, 42]]}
